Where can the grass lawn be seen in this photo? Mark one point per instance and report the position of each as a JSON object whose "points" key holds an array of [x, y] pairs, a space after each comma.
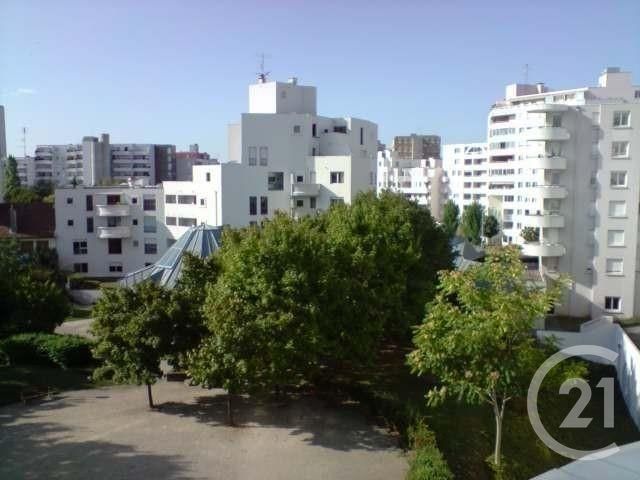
{"points": [[465, 433], [17, 378]]}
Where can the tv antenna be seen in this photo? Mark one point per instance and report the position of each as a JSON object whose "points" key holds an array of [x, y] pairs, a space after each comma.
{"points": [[262, 74]]}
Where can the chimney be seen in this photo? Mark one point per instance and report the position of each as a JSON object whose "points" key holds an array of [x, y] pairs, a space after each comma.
{"points": [[540, 87]]}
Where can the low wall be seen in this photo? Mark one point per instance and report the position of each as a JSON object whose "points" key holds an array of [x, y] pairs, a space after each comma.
{"points": [[610, 335], [85, 297]]}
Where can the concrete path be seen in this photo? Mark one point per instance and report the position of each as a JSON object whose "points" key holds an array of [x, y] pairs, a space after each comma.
{"points": [[76, 327], [110, 434]]}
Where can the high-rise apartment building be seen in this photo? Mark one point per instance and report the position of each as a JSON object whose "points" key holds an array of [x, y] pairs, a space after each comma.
{"points": [[417, 147], [562, 163], [467, 171], [419, 180], [185, 161], [97, 161], [3, 135], [283, 157]]}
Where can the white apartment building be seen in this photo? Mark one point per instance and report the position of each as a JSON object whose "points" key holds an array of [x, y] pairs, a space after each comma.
{"points": [[283, 157], [97, 161], [466, 168], [565, 163], [420, 180], [109, 231], [26, 170]]}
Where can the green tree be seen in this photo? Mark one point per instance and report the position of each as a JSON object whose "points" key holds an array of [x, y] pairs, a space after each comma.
{"points": [[22, 195], [477, 335], [134, 330], [11, 178], [32, 298], [472, 222], [530, 234], [450, 218], [491, 227]]}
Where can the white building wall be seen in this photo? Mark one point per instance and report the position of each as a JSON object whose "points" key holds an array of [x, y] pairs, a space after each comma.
{"points": [[142, 241], [466, 170]]}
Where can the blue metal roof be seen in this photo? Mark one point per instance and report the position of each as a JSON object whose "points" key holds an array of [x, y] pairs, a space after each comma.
{"points": [[200, 241]]}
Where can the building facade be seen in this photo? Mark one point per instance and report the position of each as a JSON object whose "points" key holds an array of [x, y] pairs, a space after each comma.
{"points": [[417, 147], [108, 231], [96, 161], [466, 169], [420, 180], [283, 157], [562, 163], [185, 161]]}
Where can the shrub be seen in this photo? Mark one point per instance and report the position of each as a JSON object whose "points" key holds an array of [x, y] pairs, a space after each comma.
{"points": [[530, 234], [427, 462], [47, 349], [79, 282]]}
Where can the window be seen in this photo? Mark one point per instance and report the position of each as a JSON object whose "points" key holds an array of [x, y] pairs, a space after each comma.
{"points": [[253, 156], [312, 202], [614, 266], [336, 201], [115, 267], [618, 179], [70, 223], [69, 200], [134, 221], [299, 203], [297, 130], [275, 181], [615, 238], [115, 246], [134, 200], [170, 242], [113, 199], [149, 224], [314, 130], [170, 199], [636, 94], [80, 267], [264, 205], [149, 204], [361, 136], [612, 304], [299, 179], [264, 156], [208, 176], [337, 177], [203, 202], [187, 199], [114, 221], [617, 208], [150, 247], [253, 205], [135, 243], [621, 119], [90, 225], [187, 222], [619, 149], [80, 247], [170, 220], [89, 202]]}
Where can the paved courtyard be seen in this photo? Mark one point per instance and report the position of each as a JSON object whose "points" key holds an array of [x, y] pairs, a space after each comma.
{"points": [[110, 434]]}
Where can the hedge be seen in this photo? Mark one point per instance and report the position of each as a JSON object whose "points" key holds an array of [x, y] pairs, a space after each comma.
{"points": [[47, 349], [427, 462]]}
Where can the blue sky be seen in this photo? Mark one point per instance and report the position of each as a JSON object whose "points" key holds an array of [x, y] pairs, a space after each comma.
{"points": [[177, 72]]}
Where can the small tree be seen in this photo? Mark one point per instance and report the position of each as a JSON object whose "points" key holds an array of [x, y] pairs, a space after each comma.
{"points": [[450, 218], [530, 234], [491, 227], [472, 222], [476, 337], [11, 178], [134, 331]]}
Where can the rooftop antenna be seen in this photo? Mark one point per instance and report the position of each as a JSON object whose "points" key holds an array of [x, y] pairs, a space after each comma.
{"points": [[262, 75], [526, 73], [24, 142]]}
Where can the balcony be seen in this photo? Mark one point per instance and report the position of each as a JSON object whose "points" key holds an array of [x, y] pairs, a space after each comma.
{"points": [[305, 190], [114, 232], [547, 162], [547, 133], [116, 210], [549, 191], [547, 108], [545, 220], [543, 249]]}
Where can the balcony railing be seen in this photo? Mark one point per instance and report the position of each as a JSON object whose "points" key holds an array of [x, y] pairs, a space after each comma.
{"points": [[114, 232], [115, 210], [305, 190]]}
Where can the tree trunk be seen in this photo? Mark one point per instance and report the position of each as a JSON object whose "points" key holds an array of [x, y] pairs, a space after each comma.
{"points": [[498, 412], [150, 396], [230, 409]]}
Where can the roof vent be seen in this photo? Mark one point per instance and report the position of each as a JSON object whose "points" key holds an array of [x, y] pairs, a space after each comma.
{"points": [[612, 70]]}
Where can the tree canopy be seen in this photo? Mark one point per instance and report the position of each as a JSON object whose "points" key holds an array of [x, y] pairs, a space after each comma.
{"points": [[491, 226], [450, 218], [472, 222], [477, 335], [11, 178]]}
